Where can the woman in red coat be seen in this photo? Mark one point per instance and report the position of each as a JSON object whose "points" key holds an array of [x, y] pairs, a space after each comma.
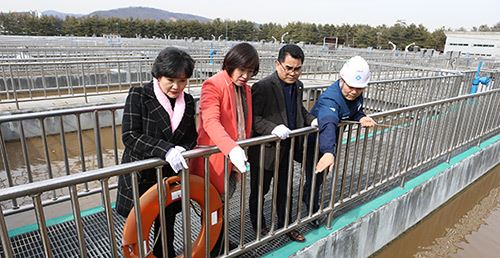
{"points": [[226, 113]]}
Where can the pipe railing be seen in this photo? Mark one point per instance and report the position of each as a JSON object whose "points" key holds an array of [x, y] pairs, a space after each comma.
{"points": [[53, 143], [406, 140], [29, 81]]}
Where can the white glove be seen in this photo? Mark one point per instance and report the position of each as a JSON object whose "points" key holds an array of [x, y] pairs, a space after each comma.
{"points": [[180, 148], [238, 158], [281, 131], [314, 123], [175, 159]]}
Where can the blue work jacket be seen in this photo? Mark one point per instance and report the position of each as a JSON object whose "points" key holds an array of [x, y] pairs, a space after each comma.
{"points": [[330, 109]]}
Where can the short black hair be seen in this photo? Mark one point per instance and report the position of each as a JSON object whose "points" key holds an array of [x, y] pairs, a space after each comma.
{"points": [[243, 56], [293, 50], [174, 63]]}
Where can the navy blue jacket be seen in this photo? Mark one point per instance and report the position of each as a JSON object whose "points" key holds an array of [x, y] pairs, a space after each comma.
{"points": [[330, 108]]}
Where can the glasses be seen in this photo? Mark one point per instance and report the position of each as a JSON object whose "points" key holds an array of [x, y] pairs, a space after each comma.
{"points": [[289, 69]]}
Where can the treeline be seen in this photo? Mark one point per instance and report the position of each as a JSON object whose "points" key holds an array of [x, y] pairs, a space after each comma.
{"points": [[360, 36]]}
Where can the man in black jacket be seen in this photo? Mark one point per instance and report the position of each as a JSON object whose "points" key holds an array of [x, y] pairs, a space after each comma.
{"points": [[277, 109]]}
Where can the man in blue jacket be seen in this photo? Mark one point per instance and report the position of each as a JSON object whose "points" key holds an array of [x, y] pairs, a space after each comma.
{"points": [[342, 100]]}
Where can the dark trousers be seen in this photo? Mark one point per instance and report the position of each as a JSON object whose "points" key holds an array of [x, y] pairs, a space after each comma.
{"points": [[310, 167], [282, 193], [170, 213]]}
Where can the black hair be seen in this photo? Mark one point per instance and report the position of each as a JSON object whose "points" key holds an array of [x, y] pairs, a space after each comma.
{"points": [[243, 56], [293, 50], [174, 63]]}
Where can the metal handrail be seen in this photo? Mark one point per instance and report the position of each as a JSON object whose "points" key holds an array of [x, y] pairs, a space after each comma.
{"points": [[426, 140], [103, 173]]}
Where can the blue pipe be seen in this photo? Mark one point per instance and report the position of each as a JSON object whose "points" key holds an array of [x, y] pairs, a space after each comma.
{"points": [[477, 79]]}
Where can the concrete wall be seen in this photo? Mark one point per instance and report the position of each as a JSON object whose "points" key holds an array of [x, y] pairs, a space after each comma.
{"points": [[377, 228]]}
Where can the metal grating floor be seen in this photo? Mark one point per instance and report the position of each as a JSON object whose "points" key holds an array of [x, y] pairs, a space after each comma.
{"points": [[64, 241]]}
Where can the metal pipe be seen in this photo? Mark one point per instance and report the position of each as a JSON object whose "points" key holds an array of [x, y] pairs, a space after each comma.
{"points": [[109, 216], [137, 211], [371, 174], [162, 203], [242, 209], [97, 137], [379, 155], [14, 90], [64, 147], [410, 150], [4, 236], [289, 180], [334, 182], [25, 152], [283, 37], [362, 164], [46, 152], [40, 218], [84, 85], [78, 221], [277, 162], [207, 214], [226, 206], [80, 145], [5, 160], [115, 141], [186, 212], [302, 175], [260, 201], [346, 161], [355, 159]]}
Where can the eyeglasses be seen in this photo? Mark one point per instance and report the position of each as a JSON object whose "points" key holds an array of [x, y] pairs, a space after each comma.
{"points": [[289, 69]]}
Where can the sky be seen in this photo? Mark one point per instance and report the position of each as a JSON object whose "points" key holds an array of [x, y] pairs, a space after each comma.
{"points": [[432, 14]]}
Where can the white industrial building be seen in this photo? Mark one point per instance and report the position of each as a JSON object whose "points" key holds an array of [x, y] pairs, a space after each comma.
{"points": [[474, 44]]}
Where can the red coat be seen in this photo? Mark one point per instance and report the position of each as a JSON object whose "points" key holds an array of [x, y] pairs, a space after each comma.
{"points": [[217, 124]]}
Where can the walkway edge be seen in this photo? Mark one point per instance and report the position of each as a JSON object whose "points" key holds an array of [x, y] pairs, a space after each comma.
{"points": [[367, 228]]}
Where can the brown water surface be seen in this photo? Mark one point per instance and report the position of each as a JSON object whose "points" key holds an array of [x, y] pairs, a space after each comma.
{"points": [[466, 226]]}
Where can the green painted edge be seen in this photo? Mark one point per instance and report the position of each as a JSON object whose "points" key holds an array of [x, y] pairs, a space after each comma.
{"points": [[54, 221], [360, 211], [314, 235]]}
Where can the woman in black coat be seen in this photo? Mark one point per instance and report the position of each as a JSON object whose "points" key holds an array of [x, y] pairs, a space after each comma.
{"points": [[158, 122]]}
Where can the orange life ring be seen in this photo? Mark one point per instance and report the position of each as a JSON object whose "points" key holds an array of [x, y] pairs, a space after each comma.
{"points": [[150, 211]]}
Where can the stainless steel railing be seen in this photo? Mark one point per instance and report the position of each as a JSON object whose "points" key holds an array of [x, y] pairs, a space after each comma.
{"points": [[412, 138], [59, 78], [43, 145]]}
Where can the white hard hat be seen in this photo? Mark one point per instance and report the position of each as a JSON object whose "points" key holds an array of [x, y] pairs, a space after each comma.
{"points": [[355, 72]]}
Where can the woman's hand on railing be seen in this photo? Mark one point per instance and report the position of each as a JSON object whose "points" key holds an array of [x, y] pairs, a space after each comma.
{"points": [[238, 158], [326, 161], [175, 159]]}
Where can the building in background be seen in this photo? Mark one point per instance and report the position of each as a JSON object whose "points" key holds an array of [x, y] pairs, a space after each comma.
{"points": [[474, 44]]}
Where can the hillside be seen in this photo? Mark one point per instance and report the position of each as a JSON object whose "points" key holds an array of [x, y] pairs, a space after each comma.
{"points": [[147, 13]]}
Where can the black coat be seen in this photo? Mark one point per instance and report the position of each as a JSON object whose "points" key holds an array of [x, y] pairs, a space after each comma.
{"points": [[269, 111], [146, 133]]}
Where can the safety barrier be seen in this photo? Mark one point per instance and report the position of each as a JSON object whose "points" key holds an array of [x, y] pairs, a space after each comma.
{"points": [[67, 141], [56, 79], [368, 160]]}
